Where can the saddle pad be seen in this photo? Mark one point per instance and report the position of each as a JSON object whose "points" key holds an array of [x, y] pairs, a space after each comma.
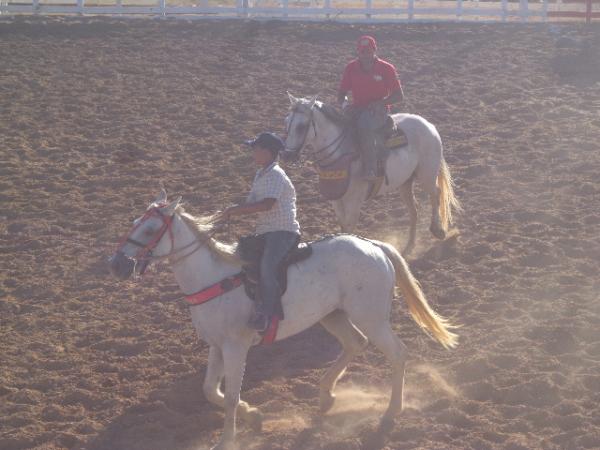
{"points": [[335, 178], [396, 139]]}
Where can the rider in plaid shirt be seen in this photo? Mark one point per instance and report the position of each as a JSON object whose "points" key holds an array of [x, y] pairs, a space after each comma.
{"points": [[273, 198]]}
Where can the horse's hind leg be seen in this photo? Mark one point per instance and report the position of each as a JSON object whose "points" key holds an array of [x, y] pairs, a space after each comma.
{"points": [[352, 341], [428, 180], [380, 333], [428, 171], [212, 390], [436, 227], [408, 197]]}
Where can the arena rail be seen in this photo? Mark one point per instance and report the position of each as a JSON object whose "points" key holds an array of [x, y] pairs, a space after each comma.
{"points": [[588, 14], [346, 11]]}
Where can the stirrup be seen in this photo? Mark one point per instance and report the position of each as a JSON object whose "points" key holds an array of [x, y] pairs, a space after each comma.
{"points": [[370, 175]]}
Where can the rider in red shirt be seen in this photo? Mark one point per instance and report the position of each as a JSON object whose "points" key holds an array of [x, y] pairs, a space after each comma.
{"points": [[375, 86]]}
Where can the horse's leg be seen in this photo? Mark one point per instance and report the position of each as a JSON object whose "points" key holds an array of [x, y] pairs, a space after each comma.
{"points": [[352, 341], [408, 197], [352, 202], [234, 362], [380, 333], [340, 214], [428, 178], [212, 391], [436, 227], [385, 340]]}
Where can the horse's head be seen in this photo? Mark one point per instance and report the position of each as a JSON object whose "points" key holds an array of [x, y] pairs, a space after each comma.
{"points": [[146, 239], [300, 127], [319, 128]]}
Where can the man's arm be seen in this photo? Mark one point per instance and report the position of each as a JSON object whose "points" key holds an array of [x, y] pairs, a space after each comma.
{"points": [[345, 85], [248, 208], [395, 97]]}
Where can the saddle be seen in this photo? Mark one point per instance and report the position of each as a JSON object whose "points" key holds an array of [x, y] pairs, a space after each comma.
{"points": [[250, 249], [391, 137]]}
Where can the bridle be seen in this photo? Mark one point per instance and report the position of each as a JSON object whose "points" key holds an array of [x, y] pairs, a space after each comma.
{"points": [[145, 251], [317, 154]]}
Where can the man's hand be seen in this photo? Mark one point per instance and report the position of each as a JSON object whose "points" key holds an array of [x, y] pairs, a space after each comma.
{"points": [[223, 216], [342, 100]]}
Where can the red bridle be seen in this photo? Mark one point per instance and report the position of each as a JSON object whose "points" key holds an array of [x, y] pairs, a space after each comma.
{"points": [[145, 251]]}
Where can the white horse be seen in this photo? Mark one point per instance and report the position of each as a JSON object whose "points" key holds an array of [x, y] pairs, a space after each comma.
{"points": [[327, 141], [347, 285]]}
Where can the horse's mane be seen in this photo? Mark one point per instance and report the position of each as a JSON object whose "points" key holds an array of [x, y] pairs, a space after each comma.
{"points": [[329, 111], [203, 228]]}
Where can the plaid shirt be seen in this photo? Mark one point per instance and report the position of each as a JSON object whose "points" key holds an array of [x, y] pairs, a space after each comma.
{"points": [[272, 182]]}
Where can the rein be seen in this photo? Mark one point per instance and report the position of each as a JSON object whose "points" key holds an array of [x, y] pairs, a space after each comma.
{"points": [[339, 140]]}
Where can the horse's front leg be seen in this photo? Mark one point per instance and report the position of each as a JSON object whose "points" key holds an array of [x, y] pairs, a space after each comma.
{"points": [[347, 209], [212, 389], [234, 363], [340, 214]]}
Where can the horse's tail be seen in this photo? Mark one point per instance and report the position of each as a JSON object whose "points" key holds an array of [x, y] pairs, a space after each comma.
{"points": [[430, 321], [447, 198]]}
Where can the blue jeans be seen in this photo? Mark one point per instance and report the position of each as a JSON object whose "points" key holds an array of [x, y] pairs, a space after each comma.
{"points": [[370, 122], [277, 246]]}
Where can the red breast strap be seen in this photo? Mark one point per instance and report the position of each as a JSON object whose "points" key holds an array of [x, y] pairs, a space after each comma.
{"points": [[215, 290], [271, 333]]}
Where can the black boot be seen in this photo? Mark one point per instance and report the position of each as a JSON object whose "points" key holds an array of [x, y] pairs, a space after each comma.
{"points": [[259, 321]]}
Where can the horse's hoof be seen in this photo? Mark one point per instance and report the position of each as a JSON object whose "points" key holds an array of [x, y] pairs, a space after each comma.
{"points": [[255, 420], [225, 445], [386, 425], [326, 402], [437, 232]]}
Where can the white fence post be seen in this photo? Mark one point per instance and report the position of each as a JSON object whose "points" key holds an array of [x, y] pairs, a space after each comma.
{"points": [[459, 9], [545, 11], [36, 6], [327, 6], [411, 10], [80, 5], [369, 6], [523, 10], [504, 10], [162, 4], [285, 5]]}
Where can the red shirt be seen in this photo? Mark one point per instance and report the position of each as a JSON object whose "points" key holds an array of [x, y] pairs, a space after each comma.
{"points": [[370, 86]]}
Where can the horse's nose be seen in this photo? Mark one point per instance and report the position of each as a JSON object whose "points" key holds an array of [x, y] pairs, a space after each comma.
{"points": [[121, 266]]}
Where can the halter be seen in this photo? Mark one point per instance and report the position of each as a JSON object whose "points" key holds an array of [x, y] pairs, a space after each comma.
{"points": [[145, 251], [316, 154]]}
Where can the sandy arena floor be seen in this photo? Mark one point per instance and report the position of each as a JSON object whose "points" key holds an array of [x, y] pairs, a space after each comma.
{"points": [[96, 113]]}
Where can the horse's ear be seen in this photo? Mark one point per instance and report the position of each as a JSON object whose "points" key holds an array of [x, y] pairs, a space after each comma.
{"points": [[171, 207], [162, 196], [293, 100]]}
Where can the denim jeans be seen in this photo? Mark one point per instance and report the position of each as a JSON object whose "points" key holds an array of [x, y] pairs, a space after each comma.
{"points": [[369, 123], [277, 246]]}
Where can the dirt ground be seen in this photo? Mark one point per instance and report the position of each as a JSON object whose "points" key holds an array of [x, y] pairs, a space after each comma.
{"points": [[96, 114]]}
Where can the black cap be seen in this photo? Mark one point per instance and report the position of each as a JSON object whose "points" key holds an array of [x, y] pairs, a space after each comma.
{"points": [[270, 141]]}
